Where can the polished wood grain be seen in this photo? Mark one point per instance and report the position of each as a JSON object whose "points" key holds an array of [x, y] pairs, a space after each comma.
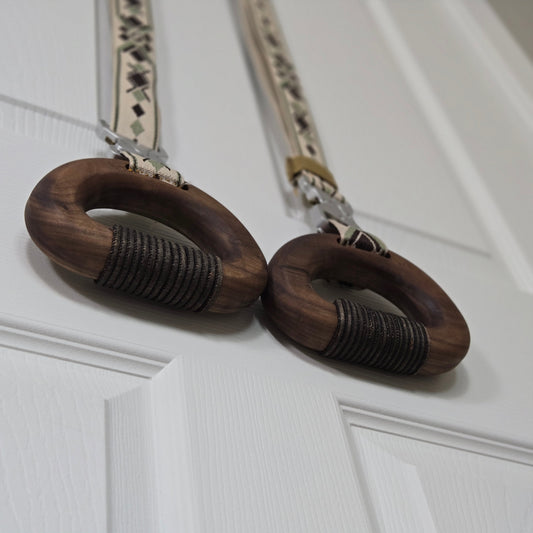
{"points": [[312, 321], [57, 222]]}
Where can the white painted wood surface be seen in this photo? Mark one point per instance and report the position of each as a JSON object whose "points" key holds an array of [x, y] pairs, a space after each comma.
{"points": [[53, 452], [120, 416]]}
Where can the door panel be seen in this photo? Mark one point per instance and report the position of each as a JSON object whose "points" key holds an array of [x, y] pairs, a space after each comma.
{"points": [[426, 478], [54, 452], [40, 69], [421, 486], [267, 454]]}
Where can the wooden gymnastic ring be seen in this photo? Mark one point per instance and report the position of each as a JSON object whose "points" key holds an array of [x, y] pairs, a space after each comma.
{"points": [[433, 338], [57, 222]]}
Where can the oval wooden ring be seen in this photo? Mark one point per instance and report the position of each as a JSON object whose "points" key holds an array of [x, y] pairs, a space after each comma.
{"points": [[57, 222], [312, 321]]}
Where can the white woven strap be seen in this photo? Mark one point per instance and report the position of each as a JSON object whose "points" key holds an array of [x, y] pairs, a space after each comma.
{"points": [[135, 113], [153, 169], [356, 237], [275, 68]]}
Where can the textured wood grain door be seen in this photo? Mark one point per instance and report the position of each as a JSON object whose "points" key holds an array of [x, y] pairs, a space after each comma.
{"points": [[120, 416]]}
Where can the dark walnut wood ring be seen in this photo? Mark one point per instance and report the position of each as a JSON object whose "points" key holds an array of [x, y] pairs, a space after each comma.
{"points": [[227, 273], [433, 338]]}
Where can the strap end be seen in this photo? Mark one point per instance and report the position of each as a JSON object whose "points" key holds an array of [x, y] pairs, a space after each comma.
{"points": [[297, 164]]}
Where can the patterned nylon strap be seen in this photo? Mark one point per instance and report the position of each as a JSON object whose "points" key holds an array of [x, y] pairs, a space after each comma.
{"points": [[274, 68], [135, 114], [276, 71]]}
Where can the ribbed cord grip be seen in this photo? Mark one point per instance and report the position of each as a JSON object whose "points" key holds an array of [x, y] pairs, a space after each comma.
{"points": [[143, 265], [373, 338]]}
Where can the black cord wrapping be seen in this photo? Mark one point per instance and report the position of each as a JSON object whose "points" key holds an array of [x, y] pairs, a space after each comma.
{"points": [[374, 338], [150, 267]]}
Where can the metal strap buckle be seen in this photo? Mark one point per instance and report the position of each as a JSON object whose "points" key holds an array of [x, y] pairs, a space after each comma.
{"points": [[324, 207], [117, 143]]}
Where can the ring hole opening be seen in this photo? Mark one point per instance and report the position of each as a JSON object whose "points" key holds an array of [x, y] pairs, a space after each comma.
{"points": [[332, 290], [110, 217]]}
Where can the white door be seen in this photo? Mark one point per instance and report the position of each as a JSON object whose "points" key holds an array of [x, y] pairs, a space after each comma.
{"points": [[118, 416]]}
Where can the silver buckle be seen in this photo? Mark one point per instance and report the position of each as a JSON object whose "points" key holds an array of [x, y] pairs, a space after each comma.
{"points": [[117, 143], [324, 207]]}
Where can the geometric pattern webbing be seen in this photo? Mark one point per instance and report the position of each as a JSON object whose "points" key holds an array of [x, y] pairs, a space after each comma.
{"points": [[135, 114]]}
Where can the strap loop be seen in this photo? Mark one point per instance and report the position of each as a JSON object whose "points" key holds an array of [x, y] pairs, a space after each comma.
{"points": [[153, 169]]}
